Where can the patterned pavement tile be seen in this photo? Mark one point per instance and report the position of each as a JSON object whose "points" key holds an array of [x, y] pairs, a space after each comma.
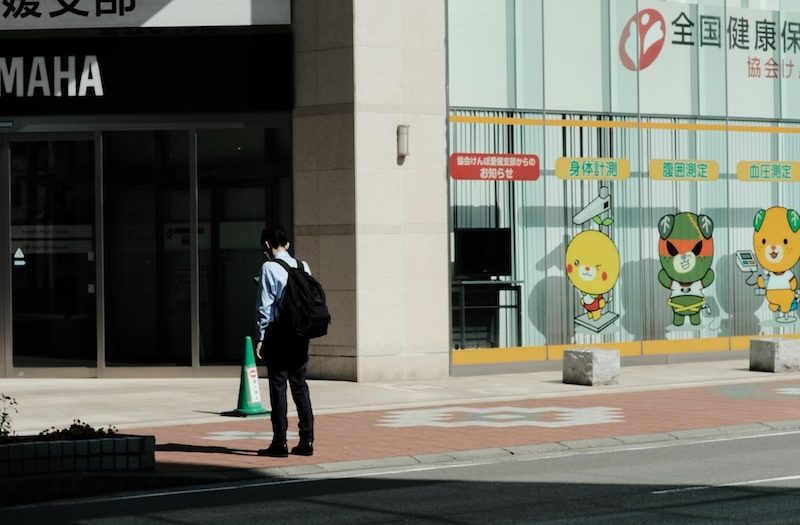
{"points": [[232, 444]]}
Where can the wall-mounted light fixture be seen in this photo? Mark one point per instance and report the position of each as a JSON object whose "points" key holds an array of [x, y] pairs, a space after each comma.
{"points": [[402, 142]]}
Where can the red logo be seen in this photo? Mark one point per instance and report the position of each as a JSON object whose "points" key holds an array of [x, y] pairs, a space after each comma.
{"points": [[649, 25]]}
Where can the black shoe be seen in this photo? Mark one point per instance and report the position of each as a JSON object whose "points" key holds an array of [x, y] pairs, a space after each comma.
{"points": [[275, 450], [304, 448]]}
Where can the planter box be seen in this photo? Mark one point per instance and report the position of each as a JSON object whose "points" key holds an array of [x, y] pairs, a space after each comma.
{"points": [[117, 453]]}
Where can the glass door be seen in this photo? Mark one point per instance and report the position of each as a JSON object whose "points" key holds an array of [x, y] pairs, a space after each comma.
{"points": [[244, 183], [52, 230], [147, 263]]}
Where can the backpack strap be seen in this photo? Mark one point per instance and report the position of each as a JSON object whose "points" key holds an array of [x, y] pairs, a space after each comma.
{"points": [[285, 265]]}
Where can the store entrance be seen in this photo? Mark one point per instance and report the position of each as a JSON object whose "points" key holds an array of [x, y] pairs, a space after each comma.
{"points": [[52, 233], [103, 274]]}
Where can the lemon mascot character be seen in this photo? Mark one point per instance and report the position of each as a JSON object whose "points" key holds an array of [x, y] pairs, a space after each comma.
{"points": [[592, 265], [776, 242]]}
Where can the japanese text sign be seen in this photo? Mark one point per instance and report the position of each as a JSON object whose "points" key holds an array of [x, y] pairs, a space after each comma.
{"points": [[768, 171], [592, 168], [64, 14], [684, 170], [494, 166]]}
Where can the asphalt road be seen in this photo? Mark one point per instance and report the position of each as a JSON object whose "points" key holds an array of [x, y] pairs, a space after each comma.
{"points": [[738, 480]]}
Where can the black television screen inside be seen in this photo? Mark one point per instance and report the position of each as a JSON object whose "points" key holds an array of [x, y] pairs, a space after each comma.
{"points": [[481, 253]]}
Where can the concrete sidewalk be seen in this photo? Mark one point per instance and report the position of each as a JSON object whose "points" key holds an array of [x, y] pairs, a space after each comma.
{"points": [[135, 403], [364, 426]]}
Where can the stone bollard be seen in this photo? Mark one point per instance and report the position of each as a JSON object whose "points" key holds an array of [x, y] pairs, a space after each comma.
{"points": [[775, 355], [591, 366]]}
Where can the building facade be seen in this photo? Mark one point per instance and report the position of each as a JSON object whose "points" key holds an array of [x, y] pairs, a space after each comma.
{"points": [[475, 182], [661, 214], [146, 143]]}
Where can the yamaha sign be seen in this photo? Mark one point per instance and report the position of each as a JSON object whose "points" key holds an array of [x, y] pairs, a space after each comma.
{"points": [[195, 71], [67, 76]]}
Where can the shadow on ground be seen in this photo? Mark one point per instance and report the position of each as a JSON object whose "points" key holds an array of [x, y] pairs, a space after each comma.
{"points": [[23, 490], [389, 499], [180, 447]]}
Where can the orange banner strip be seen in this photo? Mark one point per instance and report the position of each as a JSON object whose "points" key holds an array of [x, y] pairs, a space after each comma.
{"points": [[671, 126]]}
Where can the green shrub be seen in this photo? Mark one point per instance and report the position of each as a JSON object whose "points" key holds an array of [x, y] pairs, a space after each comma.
{"points": [[77, 430], [9, 404]]}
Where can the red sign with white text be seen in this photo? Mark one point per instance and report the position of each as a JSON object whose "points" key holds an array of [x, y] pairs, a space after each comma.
{"points": [[494, 166]]}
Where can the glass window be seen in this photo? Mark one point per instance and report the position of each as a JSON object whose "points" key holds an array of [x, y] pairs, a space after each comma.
{"points": [[574, 58], [755, 67], [147, 257], [625, 56], [685, 220], [592, 230], [244, 182], [52, 242], [478, 53]]}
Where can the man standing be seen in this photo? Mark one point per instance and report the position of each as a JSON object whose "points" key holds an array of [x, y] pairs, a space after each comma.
{"points": [[285, 354]]}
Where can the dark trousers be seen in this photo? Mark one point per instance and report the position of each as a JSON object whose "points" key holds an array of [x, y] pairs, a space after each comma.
{"points": [[286, 357]]}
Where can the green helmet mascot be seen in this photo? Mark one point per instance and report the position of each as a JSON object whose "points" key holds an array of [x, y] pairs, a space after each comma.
{"points": [[686, 251]]}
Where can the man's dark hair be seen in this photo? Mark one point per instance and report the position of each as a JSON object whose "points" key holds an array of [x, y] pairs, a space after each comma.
{"points": [[274, 236]]}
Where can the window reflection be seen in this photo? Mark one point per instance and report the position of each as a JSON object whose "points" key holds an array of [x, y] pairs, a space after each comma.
{"points": [[147, 257], [52, 242], [244, 183]]}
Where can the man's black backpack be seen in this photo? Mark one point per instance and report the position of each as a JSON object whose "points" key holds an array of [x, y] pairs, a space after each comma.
{"points": [[303, 307]]}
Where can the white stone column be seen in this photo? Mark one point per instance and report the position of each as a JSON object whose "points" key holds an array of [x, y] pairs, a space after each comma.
{"points": [[401, 205], [374, 229]]}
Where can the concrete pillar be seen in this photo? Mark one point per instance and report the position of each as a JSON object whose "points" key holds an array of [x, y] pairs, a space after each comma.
{"points": [[775, 355], [374, 229], [590, 366]]}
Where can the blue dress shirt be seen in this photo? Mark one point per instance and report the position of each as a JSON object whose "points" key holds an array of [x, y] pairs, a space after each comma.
{"points": [[271, 286]]}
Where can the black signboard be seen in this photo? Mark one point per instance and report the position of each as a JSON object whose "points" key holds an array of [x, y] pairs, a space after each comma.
{"points": [[199, 73]]}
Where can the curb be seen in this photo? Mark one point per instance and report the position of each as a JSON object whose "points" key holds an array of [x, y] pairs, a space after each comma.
{"points": [[541, 449], [37, 489]]}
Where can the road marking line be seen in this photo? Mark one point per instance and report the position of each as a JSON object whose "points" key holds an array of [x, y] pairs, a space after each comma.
{"points": [[725, 485]]}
